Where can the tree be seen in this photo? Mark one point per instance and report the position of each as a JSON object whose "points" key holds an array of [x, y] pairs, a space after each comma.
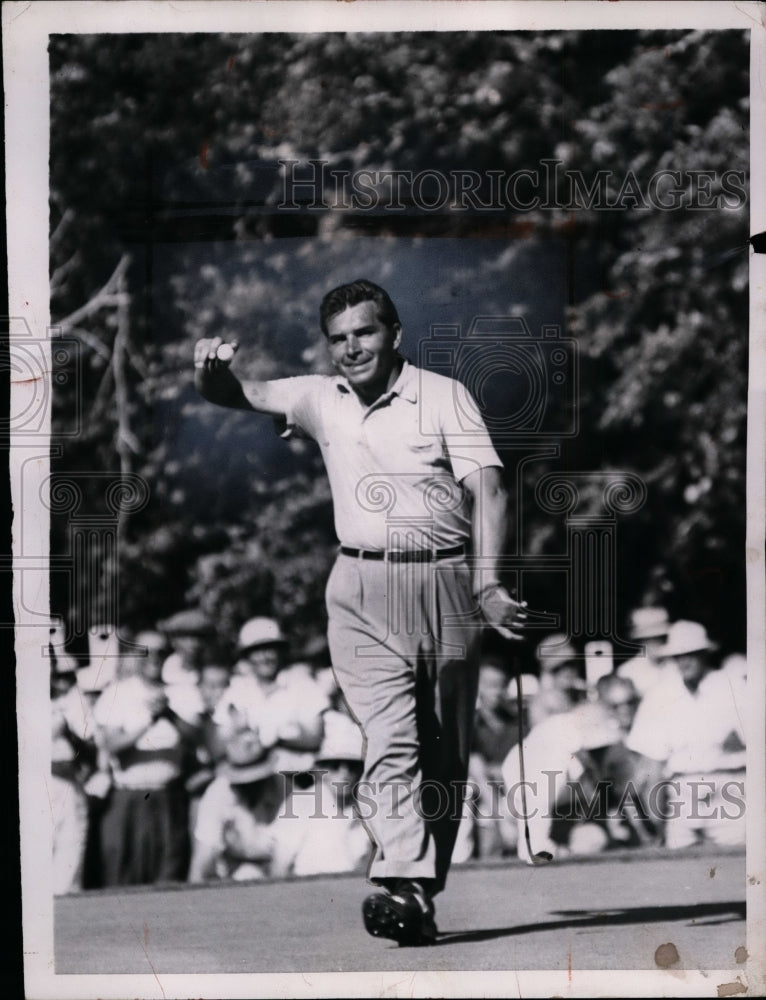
{"points": [[167, 148]]}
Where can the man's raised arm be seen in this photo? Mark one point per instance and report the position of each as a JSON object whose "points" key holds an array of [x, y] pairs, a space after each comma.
{"points": [[215, 380]]}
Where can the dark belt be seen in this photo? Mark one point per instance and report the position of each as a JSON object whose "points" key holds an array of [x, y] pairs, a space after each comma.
{"points": [[403, 555]]}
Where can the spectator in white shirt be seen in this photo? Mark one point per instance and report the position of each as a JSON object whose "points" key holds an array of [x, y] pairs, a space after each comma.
{"points": [[691, 736], [649, 627], [284, 707], [234, 832], [144, 835]]}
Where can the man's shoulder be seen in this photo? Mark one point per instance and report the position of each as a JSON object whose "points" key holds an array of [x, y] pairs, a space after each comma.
{"points": [[435, 382]]}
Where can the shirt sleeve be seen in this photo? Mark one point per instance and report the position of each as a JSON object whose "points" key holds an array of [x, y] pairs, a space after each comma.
{"points": [[298, 398], [465, 433]]}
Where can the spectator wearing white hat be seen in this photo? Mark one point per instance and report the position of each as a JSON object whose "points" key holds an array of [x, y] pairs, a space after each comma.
{"points": [[561, 684], [234, 831], [283, 707], [691, 737], [649, 627], [318, 829]]}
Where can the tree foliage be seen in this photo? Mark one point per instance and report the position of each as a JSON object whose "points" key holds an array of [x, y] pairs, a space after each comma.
{"points": [[165, 152]]}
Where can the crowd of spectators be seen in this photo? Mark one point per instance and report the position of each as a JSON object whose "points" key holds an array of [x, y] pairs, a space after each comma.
{"points": [[169, 765]]}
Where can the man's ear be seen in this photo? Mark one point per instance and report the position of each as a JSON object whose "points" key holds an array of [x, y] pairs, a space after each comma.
{"points": [[397, 335]]}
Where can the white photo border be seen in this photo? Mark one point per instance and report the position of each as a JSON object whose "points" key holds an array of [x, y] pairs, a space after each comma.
{"points": [[26, 28]]}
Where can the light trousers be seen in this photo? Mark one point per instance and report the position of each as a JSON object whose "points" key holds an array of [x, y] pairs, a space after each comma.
{"points": [[404, 641]]}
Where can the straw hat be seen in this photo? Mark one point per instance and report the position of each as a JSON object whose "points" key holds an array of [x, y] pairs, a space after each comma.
{"points": [[686, 637], [259, 632]]}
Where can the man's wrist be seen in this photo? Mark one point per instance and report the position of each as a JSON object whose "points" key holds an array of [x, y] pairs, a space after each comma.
{"points": [[481, 587]]}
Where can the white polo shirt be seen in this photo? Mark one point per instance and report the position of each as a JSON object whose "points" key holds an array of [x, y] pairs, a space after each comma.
{"points": [[156, 757], [395, 467], [687, 730]]}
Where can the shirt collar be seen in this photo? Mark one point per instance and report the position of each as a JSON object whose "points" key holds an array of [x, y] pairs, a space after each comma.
{"points": [[406, 385]]}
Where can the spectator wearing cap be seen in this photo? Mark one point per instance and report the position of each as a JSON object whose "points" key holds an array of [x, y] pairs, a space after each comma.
{"points": [[561, 684], [144, 834], [318, 829], [691, 738], [190, 633], [649, 627], [283, 708], [234, 832]]}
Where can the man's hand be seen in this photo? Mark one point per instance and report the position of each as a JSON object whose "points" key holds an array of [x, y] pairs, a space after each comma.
{"points": [[213, 353], [501, 611], [213, 376]]}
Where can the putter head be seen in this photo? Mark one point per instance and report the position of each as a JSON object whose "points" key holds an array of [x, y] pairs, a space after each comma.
{"points": [[541, 858]]}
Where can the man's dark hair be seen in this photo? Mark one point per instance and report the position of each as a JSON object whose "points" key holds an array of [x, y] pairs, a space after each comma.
{"points": [[362, 290]]}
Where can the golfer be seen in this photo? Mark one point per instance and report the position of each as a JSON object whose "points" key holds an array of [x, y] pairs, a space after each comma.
{"points": [[420, 512]]}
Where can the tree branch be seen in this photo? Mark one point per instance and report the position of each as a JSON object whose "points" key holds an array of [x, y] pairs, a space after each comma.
{"points": [[103, 298]]}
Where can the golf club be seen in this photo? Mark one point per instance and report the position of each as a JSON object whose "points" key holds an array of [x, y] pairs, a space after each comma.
{"points": [[542, 857]]}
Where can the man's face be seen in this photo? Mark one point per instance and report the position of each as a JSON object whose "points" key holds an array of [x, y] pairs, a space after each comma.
{"points": [[212, 684], [188, 647], [61, 683], [621, 701], [566, 677], [150, 666], [653, 645], [264, 662], [362, 348], [493, 687], [692, 667]]}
